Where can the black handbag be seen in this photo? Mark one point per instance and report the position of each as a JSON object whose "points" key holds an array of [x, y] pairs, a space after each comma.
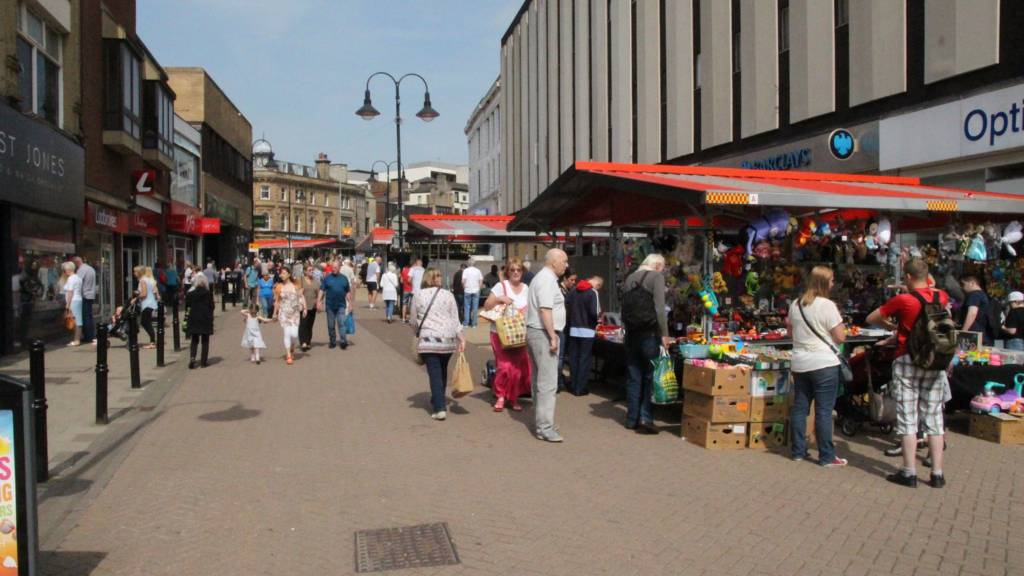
{"points": [[845, 372]]}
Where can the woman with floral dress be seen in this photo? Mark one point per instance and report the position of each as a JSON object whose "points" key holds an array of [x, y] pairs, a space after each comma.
{"points": [[290, 307]]}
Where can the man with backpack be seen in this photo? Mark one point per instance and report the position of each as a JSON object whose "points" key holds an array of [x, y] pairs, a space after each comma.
{"points": [[926, 337], [646, 323]]}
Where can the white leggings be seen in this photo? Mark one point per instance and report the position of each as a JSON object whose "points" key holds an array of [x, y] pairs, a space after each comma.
{"points": [[291, 336]]}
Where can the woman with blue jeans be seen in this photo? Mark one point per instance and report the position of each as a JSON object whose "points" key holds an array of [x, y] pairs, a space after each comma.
{"points": [[266, 286], [389, 291], [817, 330], [435, 317]]}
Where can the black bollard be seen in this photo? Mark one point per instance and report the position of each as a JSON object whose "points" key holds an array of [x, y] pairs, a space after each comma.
{"points": [[102, 370], [175, 324], [37, 376], [236, 288], [133, 347], [160, 334], [224, 296]]}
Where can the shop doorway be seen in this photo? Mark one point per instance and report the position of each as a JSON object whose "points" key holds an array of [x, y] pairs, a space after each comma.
{"points": [[131, 255]]}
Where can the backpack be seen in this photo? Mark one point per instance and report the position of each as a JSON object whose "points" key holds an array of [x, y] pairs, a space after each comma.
{"points": [[932, 340], [638, 313]]}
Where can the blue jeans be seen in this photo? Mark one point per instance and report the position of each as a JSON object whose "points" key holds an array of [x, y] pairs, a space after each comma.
{"points": [[389, 309], [437, 370], [336, 325], [267, 306], [1015, 344], [470, 303], [640, 350], [89, 325], [581, 355], [820, 386]]}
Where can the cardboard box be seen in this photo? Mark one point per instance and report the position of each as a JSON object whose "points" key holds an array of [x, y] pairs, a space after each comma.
{"points": [[729, 436], [769, 409], [1001, 429], [717, 408], [721, 381], [770, 383], [768, 435], [809, 433]]}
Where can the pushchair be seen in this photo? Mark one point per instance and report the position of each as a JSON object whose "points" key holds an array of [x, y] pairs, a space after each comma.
{"points": [[872, 375], [118, 325]]}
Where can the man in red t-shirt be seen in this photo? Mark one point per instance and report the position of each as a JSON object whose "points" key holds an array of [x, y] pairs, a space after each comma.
{"points": [[919, 393], [406, 292]]}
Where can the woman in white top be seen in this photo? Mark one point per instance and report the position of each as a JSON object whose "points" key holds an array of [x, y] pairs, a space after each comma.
{"points": [[389, 291], [817, 330], [512, 365], [147, 296], [73, 298]]}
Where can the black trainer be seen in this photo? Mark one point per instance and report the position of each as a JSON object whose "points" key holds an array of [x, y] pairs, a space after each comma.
{"points": [[344, 345], [937, 481], [331, 345], [902, 479]]}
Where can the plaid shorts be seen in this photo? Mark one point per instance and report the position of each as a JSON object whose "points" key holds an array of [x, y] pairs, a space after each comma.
{"points": [[920, 395]]}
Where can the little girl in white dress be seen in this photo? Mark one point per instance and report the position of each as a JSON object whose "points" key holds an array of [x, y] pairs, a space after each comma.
{"points": [[252, 338]]}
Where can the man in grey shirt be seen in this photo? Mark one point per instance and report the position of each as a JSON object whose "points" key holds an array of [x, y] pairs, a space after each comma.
{"points": [[545, 321], [88, 275], [642, 346]]}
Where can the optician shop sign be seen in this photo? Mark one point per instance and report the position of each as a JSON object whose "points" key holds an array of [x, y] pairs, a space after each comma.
{"points": [[40, 167], [981, 124]]}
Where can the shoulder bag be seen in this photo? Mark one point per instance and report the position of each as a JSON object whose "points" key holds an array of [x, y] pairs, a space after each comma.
{"points": [[416, 340], [511, 326], [845, 372]]}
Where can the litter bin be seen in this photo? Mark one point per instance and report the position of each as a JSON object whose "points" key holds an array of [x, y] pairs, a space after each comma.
{"points": [[19, 537]]}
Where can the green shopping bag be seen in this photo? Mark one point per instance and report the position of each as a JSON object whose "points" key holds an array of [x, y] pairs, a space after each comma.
{"points": [[666, 388]]}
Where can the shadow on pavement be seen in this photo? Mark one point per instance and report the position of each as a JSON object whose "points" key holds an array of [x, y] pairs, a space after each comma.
{"points": [[233, 414], [66, 563]]}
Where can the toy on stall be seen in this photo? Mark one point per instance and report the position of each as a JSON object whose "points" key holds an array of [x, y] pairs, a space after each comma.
{"points": [[805, 232], [990, 403], [1012, 233], [763, 250], [755, 231], [707, 296], [976, 249], [733, 265], [718, 285], [685, 250], [752, 283]]}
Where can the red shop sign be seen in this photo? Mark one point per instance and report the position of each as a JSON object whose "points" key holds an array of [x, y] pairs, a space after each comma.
{"points": [[144, 221], [185, 219], [210, 225], [97, 216]]}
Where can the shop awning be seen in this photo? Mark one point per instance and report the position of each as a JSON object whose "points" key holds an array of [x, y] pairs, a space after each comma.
{"points": [[376, 237], [295, 244], [624, 194], [476, 228]]}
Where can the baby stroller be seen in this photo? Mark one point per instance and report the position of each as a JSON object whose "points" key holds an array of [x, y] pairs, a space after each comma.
{"points": [[118, 326], [864, 401]]}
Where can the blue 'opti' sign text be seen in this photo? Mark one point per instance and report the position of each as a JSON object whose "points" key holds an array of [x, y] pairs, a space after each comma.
{"points": [[978, 123]]}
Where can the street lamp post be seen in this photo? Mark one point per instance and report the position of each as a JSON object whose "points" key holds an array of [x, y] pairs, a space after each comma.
{"points": [[387, 189], [427, 114]]}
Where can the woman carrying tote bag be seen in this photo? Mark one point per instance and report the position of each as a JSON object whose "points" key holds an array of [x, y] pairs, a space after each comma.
{"points": [[435, 318], [512, 365]]}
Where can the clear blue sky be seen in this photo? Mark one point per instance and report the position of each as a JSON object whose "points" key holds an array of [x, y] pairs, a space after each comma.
{"points": [[297, 68]]}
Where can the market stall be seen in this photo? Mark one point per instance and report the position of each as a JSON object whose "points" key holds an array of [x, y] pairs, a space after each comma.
{"points": [[743, 240]]}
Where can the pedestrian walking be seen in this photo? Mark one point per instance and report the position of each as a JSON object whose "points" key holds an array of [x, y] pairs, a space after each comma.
{"points": [[172, 285], [88, 275], [310, 292], [187, 274], [251, 280], [545, 320], [72, 284], [336, 299], [199, 309], [290, 308], [643, 314], [436, 320], [372, 280], [584, 313], [407, 293], [349, 273], [918, 319], [472, 282], [512, 365], [148, 298], [252, 337], [389, 291], [817, 329], [459, 292], [266, 293]]}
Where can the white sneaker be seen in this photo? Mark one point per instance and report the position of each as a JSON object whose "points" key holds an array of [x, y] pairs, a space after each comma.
{"points": [[439, 415]]}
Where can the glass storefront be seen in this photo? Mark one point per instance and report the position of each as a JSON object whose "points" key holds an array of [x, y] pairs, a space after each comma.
{"points": [[98, 250], [41, 243], [180, 249]]}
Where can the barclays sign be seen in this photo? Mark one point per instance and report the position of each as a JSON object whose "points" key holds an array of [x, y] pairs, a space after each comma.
{"points": [[790, 160]]}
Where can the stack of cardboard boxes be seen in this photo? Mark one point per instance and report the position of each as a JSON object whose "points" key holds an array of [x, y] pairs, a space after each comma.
{"points": [[729, 407]]}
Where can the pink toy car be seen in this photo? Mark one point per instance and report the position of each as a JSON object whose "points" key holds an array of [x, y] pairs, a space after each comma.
{"points": [[1005, 402]]}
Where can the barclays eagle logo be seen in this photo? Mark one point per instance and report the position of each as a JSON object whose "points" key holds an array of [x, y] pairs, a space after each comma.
{"points": [[841, 144]]}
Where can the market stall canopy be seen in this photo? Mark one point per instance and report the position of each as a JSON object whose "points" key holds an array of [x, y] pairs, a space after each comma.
{"points": [[624, 194], [476, 228], [376, 237], [296, 244]]}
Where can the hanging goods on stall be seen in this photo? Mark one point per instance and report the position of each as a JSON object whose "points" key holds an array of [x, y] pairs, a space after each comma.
{"points": [[932, 340], [416, 340], [708, 298], [845, 372], [1011, 235], [666, 388], [638, 312]]}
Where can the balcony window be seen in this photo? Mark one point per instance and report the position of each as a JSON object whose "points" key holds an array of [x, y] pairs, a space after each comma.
{"points": [[39, 50], [158, 119], [123, 89]]}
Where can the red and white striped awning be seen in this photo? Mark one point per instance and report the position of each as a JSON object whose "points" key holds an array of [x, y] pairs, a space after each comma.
{"points": [[295, 244], [478, 228], [623, 194], [376, 237]]}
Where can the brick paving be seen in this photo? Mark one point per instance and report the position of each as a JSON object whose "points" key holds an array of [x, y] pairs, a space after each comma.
{"points": [[271, 470]]}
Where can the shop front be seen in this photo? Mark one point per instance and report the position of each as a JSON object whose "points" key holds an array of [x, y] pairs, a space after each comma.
{"points": [[103, 227], [231, 242], [186, 225], [41, 206], [139, 246]]}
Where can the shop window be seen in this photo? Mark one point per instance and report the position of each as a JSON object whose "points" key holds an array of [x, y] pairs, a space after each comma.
{"points": [[158, 119], [40, 56], [122, 88], [264, 192], [185, 177]]}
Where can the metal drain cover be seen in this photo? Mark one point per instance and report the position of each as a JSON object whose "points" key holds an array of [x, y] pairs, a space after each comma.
{"points": [[404, 547]]}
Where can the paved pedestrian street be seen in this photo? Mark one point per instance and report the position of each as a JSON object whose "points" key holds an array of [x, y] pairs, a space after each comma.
{"points": [[272, 469]]}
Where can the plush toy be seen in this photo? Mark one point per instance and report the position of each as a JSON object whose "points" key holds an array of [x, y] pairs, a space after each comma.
{"points": [[708, 298], [718, 285], [884, 232], [976, 250], [763, 249], [757, 230], [685, 250], [752, 283], [806, 231], [1012, 233], [733, 265], [871, 236], [778, 223]]}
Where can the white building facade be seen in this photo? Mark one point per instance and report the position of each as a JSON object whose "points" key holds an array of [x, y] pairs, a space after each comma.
{"points": [[483, 135]]}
